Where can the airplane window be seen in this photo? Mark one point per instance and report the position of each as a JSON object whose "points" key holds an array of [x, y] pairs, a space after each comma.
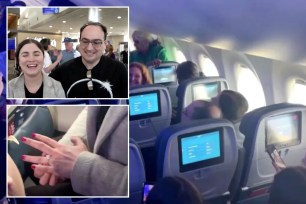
{"points": [[208, 67], [298, 92], [250, 87], [179, 56]]}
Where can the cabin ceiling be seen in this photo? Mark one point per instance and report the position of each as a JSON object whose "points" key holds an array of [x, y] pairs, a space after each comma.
{"points": [[272, 29]]}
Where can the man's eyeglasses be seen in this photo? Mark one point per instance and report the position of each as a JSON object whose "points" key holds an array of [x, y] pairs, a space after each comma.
{"points": [[89, 84], [95, 43]]}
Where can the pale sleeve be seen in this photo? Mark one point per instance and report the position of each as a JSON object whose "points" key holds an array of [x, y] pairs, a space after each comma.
{"points": [[78, 128], [94, 175]]}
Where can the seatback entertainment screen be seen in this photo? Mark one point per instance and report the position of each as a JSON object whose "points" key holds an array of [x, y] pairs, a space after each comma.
{"points": [[200, 149], [144, 105]]}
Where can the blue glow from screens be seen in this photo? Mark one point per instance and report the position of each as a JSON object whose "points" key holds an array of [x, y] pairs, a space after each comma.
{"points": [[164, 75], [201, 147], [143, 104], [205, 91], [11, 44], [47, 11], [146, 190]]}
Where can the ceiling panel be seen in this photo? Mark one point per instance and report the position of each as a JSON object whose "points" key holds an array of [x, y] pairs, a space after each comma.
{"points": [[33, 20]]}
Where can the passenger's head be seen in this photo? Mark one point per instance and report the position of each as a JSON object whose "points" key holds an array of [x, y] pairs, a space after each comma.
{"points": [[200, 109], [233, 105], [174, 190], [187, 70], [68, 44], [45, 43], [289, 186], [139, 74], [30, 57], [142, 41], [110, 48], [92, 42]]}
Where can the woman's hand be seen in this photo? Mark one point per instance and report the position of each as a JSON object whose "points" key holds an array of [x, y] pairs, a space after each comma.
{"points": [[61, 159]]}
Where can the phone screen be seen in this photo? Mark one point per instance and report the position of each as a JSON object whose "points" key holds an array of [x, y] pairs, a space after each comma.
{"points": [[146, 190], [274, 155]]}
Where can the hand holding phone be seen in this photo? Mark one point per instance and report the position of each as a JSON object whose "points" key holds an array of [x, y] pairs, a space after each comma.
{"points": [[277, 161]]}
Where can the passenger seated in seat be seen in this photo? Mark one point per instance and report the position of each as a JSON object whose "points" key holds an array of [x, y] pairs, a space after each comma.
{"points": [[200, 109], [139, 74], [233, 106], [174, 190], [289, 186], [148, 50], [187, 70]]}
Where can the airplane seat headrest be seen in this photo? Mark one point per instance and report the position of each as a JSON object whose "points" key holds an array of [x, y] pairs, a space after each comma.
{"points": [[176, 150], [257, 125], [148, 119]]}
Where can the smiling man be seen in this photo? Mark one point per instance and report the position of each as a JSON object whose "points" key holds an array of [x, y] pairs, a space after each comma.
{"points": [[93, 75]]}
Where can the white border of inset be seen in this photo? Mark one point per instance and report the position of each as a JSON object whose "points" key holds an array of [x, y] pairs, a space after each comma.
{"points": [[83, 197], [77, 7]]}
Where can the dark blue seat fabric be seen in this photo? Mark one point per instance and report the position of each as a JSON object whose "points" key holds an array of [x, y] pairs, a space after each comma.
{"points": [[205, 178], [258, 171], [145, 129]]}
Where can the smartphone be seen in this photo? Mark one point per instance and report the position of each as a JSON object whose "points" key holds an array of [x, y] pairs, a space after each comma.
{"points": [[147, 187], [276, 158]]}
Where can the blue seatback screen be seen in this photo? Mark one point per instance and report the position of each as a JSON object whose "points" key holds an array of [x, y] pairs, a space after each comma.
{"points": [[144, 105], [11, 44], [200, 149], [165, 74]]}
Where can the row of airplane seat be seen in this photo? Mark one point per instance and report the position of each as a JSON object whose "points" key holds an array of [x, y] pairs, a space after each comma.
{"points": [[244, 171], [151, 105]]}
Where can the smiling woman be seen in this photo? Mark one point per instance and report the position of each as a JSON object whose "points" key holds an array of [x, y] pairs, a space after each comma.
{"points": [[33, 83]]}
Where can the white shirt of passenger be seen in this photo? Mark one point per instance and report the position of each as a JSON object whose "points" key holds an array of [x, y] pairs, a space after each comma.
{"points": [[76, 54], [47, 61]]}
